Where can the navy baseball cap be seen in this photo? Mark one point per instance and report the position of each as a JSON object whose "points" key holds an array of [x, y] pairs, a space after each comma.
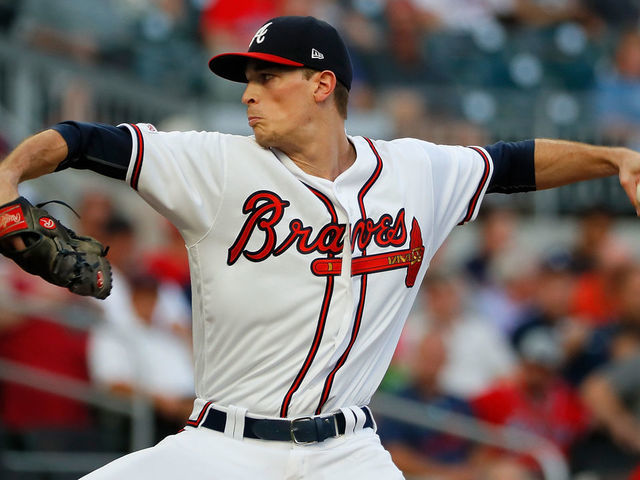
{"points": [[294, 41]]}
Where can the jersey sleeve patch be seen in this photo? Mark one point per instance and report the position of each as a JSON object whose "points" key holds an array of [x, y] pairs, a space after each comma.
{"points": [[474, 204]]}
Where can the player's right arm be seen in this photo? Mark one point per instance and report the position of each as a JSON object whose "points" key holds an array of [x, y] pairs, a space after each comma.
{"points": [[172, 171], [34, 157], [65, 144], [102, 148]]}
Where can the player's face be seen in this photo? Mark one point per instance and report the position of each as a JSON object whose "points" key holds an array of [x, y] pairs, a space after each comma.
{"points": [[279, 103]]}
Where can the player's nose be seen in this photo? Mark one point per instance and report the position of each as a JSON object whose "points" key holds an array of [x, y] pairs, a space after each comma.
{"points": [[249, 95]]}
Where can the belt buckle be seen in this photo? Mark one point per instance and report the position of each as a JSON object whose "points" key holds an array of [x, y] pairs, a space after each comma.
{"points": [[292, 430]]}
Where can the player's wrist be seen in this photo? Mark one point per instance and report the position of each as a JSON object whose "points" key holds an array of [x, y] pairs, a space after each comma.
{"points": [[616, 158], [8, 187]]}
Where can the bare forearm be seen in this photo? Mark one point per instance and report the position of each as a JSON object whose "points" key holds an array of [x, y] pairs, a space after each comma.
{"points": [[34, 157], [559, 162]]}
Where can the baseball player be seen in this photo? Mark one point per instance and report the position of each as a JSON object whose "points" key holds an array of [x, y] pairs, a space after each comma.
{"points": [[306, 247]]}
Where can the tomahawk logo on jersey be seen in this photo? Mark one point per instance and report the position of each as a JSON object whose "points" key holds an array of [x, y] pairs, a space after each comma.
{"points": [[278, 253]]}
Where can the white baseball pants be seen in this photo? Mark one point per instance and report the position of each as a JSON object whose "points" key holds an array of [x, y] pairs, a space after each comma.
{"points": [[204, 454]]}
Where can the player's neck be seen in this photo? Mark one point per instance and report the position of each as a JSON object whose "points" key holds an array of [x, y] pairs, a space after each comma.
{"points": [[325, 157]]}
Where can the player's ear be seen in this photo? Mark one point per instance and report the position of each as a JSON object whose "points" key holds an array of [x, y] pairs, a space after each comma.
{"points": [[325, 85]]}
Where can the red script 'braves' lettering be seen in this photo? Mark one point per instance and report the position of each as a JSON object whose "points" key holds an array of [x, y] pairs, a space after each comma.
{"points": [[265, 211]]}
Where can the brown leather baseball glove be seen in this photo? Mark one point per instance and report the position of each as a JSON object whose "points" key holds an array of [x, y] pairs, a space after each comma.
{"points": [[53, 251]]}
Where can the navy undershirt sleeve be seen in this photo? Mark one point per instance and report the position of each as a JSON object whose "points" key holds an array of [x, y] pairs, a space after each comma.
{"points": [[105, 149], [513, 167]]}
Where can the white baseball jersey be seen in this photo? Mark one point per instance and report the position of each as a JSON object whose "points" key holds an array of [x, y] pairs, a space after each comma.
{"points": [[301, 285]]}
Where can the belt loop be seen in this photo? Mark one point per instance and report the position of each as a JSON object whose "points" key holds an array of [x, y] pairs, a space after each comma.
{"points": [[234, 426], [349, 421], [360, 418]]}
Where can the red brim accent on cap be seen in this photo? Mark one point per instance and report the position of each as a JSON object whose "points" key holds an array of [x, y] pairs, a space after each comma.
{"points": [[232, 66]]}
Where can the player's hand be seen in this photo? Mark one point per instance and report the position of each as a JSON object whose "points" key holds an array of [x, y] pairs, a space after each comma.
{"points": [[629, 174]]}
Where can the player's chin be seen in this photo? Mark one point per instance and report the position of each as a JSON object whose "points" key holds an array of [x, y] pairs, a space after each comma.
{"points": [[263, 139]]}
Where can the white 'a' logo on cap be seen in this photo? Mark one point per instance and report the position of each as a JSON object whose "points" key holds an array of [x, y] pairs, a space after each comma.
{"points": [[316, 54], [262, 31]]}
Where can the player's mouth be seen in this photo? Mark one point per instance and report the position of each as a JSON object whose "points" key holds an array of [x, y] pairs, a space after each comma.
{"points": [[253, 120]]}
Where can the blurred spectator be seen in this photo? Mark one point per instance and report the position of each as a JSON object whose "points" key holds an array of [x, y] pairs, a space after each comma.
{"points": [[617, 14], [471, 14], [422, 452], [615, 338], [87, 30], [170, 263], [508, 294], [96, 208], [167, 51], [360, 25], [497, 238], [402, 60], [536, 399], [463, 14], [594, 233], [400, 66], [229, 25], [477, 353], [172, 312], [593, 299], [617, 91], [120, 237], [613, 396], [550, 306], [137, 356], [31, 336], [411, 114]]}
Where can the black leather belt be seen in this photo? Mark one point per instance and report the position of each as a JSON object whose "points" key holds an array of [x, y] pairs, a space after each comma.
{"points": [[298, 430]]}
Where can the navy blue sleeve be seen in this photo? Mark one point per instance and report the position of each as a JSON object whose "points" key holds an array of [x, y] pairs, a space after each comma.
{"points": [[105, 149], [513, 167]]}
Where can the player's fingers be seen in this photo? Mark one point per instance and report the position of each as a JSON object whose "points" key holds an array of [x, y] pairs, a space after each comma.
{"points": [[15, 243], [631, 185]]}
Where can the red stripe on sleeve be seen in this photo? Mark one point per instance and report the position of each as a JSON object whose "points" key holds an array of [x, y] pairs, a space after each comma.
{"points": [[137, 166], [483, 182]]}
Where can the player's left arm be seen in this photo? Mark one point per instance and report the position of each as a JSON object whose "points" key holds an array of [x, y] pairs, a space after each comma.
{"points": [[559, 162]]}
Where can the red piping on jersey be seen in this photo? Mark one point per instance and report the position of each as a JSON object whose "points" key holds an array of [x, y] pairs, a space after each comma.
{"points": [[476, 196], [367, 186], [322, 319], [137, 166], [363, 285], [195, 423]]}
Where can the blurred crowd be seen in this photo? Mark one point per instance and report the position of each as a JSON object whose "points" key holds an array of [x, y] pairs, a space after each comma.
{"points": [[548, 342], [438, 69], [134, 345]]}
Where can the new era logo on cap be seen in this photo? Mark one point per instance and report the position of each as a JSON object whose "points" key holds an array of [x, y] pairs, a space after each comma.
{"points": [[295, 41]]}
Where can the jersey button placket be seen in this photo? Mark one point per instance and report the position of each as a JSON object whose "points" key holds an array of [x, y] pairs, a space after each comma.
{"points": [[345, 280]]}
